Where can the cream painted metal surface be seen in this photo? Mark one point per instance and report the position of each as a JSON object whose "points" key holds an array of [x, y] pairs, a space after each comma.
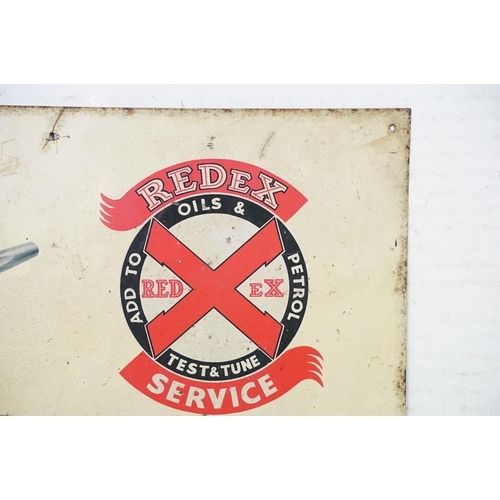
{"points": [[203, 261]]}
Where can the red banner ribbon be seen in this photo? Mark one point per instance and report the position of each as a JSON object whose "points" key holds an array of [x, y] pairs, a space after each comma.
{"points": [[229, 396], [200, 177]]}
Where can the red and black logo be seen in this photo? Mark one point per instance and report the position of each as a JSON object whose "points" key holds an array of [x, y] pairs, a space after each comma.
{"points": [[213, 287]]}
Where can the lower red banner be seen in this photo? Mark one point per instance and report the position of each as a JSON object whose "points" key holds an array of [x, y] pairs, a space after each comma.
{"points": [[230, 396]]}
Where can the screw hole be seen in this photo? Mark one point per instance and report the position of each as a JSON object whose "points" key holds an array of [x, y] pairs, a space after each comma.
{"points": [[392, 127], [53, 136]]}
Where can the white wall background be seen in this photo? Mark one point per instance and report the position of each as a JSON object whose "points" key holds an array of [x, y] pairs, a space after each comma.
{"points": [[454, 233]]}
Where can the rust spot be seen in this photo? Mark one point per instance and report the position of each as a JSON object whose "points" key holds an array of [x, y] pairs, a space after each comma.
{"points": [[400, 289], [400, 273], [401, 277], [401, 378]]}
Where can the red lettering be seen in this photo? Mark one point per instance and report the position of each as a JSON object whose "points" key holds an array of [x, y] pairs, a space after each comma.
{"points": [[274, 290], [255, 289], [162, 289], [148, 289], [176, 288]]}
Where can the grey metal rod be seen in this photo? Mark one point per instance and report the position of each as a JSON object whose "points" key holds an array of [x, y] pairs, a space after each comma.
{"points": [[11, 257]]}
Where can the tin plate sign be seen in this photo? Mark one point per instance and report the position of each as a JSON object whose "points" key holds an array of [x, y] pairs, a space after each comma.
{"points": [[181, 262]]}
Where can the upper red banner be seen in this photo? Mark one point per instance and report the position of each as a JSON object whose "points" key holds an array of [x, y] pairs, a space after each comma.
{"points": [[207, 176]]}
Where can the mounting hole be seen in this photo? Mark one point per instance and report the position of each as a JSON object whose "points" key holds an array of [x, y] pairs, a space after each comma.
{"points": [[392, 127], [53, 136]]}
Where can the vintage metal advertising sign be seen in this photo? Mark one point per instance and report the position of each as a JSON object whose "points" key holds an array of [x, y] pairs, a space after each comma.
{"points": [[175, 262]]}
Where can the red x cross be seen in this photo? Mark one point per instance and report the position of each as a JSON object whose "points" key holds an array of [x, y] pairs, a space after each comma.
{"points": [[214, 289]]}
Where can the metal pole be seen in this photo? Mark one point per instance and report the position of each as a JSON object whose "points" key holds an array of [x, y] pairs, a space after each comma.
{"points": [[11, 257]]}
